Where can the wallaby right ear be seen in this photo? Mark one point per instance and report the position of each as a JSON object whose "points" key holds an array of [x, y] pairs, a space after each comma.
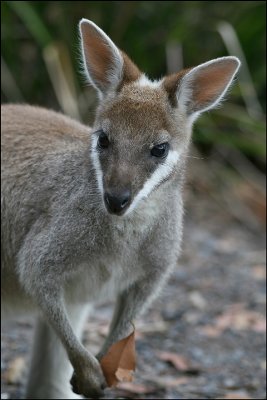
{"points": [[105, 65], [203, 87]]}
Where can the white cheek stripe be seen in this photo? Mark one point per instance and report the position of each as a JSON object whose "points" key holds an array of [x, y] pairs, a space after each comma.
{"points": [[162, 172], [96, 164], [158, 176]]}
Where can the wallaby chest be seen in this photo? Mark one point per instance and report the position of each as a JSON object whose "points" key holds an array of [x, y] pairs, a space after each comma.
{"points": [[115, 262]]}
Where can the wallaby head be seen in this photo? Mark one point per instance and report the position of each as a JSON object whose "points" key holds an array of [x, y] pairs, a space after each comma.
{"points": [[142, 127]]}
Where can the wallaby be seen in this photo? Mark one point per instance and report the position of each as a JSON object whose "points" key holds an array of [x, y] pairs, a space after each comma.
{"points": [[93, 213]]}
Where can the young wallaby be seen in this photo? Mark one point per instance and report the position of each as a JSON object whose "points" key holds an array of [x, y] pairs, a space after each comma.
{"points": [[93, 213]]}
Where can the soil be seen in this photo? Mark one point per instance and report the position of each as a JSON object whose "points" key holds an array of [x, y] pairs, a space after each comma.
{"points": [[204, 338]]}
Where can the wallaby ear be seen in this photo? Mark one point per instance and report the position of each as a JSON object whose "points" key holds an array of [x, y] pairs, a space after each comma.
{"points": [[203, 87], [106, 67]]}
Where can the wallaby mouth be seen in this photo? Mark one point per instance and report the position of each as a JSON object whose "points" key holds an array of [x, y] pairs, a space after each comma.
{"points": [[117, 202]]}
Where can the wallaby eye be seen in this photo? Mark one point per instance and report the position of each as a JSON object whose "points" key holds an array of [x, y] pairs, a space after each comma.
{"points": [[103, 141], [160, 150]]}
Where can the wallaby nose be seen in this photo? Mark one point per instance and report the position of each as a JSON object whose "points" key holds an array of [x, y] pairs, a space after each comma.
{"points": [[116, 202]]}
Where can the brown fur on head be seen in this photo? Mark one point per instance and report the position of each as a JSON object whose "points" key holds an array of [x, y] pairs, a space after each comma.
{"points": [[145, 125]]}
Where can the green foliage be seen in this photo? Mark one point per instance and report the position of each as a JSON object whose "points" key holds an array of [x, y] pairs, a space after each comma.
{"points": [[142, 29]]}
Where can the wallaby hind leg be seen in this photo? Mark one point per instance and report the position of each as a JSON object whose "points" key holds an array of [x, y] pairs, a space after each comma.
{"points": [[50, 369]]}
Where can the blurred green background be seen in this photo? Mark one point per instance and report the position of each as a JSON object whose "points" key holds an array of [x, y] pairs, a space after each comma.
{"points": [[40, 60]]}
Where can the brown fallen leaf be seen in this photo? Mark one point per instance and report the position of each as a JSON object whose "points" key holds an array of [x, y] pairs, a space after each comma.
{"points": [[15, 371], [118, 364], [259, 272], [136, 388], [124, 375], [210, 331], [240, 395], [238, 318], [180, 362]]}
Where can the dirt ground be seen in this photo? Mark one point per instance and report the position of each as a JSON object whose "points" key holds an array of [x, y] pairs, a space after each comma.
{"points": [[204, 338]]}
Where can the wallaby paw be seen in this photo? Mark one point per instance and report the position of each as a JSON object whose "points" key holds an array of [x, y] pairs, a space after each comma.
{"points": [[89, 381]]}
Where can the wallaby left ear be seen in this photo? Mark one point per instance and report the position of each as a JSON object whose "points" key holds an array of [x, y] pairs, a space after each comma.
{"points": [[106, 66], [203, 87]]}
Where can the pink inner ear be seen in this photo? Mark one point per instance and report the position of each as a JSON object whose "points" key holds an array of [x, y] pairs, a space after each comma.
{"points": [[210, 82], [98, 55], [103, 63]]}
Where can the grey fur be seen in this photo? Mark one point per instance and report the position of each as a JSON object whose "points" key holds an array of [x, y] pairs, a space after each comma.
{"points": [[61, 249]]}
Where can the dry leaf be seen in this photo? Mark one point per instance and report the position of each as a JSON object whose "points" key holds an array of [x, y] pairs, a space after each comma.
{"points": [[210, 331], [236, 317], [124, 375], [259, 272], [236, 395], [119, 362], [15, 371], [179, 362], [136, 388]]}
